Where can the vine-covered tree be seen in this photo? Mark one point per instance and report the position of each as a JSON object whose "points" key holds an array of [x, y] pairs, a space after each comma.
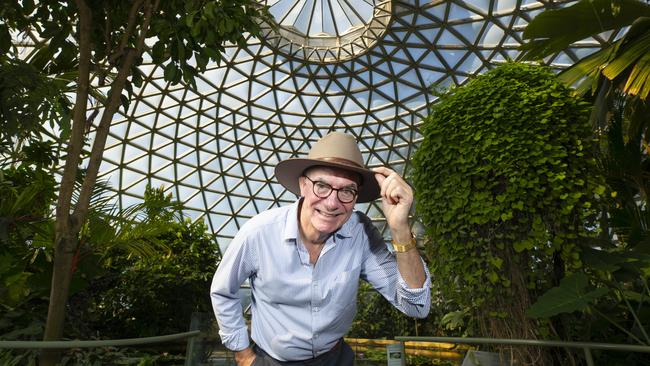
{"points": [[505, 187], [102, 43]]}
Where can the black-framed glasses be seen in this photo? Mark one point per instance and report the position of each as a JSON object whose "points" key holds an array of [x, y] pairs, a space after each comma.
{"points": [[323, 190]]}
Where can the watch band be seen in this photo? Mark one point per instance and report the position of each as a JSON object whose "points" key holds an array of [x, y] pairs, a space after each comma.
{"points": [[404, 247]]}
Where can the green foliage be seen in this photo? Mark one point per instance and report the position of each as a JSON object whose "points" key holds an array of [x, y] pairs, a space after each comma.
{"points": [[626, 164], [506, 186], [157, 295], [120, 288], [617, 262], [621, 295], [376, 318], [25, 198], [615, 79], [187, 34], [26, 193], [27, 100], [145, 295], [191, 33], [94, 356], [378, 357], [118, 356]]}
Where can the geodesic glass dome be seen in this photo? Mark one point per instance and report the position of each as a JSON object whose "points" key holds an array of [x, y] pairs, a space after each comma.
{"points": [[365, 67]]}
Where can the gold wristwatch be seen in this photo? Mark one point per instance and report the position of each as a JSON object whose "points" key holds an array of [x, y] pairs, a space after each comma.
{"points": [[404, 247]]}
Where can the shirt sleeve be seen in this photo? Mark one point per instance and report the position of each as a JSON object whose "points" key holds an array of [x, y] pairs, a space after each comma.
{"points": [[238, 264], [381, 271]]}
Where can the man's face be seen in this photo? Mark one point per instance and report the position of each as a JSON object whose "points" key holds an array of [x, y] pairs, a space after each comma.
{"points": [[323, 216]]}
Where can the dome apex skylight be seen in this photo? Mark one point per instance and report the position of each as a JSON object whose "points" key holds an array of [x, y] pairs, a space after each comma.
{"points": [[325, 30]]}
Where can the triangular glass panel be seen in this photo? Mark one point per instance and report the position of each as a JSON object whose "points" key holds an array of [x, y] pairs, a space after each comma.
{"points": [[451, 57], [138, 188], [470, 65], [186, 192], [506, 5], [437, 11], [492, 36], [183, 170]]}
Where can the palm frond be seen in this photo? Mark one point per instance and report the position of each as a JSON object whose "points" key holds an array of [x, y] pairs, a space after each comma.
{"points": [[136, 229], [638, 83], [586, 71], [629, 55], [555, 30]]}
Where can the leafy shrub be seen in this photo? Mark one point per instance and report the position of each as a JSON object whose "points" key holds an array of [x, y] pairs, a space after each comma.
{"points": [[156, 294]]}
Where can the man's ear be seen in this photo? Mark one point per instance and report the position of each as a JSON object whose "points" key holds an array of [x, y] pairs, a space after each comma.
{"points": [[302, 184]]}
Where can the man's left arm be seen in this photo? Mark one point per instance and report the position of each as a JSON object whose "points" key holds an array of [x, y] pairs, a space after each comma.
{"points": [[396, 199]]}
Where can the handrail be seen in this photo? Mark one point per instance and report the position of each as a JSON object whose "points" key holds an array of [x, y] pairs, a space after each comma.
{"points": [[586, 346], [97, 343]]}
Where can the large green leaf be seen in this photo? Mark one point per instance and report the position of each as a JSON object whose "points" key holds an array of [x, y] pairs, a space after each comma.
{"points": [[554, 30], [570, 296]]}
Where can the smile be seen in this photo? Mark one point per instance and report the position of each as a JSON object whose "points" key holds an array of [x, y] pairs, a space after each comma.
{"points": [[322, 213]]}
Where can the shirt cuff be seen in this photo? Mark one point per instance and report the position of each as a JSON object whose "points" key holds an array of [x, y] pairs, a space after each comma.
{"points": [[236, 341], [415, 295]]}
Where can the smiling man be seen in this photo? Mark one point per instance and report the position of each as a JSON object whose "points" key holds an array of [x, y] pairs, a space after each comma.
{"points": [[304, 261]]}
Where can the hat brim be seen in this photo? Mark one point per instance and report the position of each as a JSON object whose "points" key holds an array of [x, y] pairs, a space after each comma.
{"points": [[288, 171]]}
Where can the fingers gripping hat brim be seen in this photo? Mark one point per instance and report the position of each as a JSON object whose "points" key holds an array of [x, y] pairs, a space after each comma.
{"points": [[336, 150]]}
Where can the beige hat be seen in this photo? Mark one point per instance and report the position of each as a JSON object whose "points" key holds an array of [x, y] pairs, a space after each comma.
{"points": [[338, 150]]}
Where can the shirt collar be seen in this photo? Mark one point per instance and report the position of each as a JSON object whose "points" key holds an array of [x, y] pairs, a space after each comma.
{"points": [[291, 225]]}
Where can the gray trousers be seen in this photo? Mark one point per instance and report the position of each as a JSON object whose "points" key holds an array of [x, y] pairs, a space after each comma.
{"points": [[339, 355]]}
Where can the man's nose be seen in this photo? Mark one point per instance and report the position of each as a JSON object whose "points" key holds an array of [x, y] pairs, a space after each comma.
{"points": [[332, 201]]}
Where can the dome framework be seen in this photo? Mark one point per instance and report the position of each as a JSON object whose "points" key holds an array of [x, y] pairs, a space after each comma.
{"points": [[214, 147]]}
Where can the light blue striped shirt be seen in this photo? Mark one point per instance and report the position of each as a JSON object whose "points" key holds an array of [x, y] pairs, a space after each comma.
{"points": [[299, 310]]}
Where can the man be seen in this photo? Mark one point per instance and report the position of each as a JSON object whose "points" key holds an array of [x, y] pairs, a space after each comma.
{"points": [[304, 261]]}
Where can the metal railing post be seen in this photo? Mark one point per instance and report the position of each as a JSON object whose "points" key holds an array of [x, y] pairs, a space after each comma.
{"points": [[199, 347], [193, 347], [588, 357]]}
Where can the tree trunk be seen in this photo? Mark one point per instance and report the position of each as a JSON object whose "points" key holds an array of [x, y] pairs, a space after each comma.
{"points": [[61, 278], [68, 225]]}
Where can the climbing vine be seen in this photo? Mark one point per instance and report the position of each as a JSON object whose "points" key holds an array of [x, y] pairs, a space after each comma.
{"points": [[506, 187]]}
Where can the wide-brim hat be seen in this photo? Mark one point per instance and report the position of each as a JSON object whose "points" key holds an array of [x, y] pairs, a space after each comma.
{"points": [[337, 150]]}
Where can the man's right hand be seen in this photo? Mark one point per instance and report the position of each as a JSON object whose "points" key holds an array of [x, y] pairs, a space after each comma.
{"points": [[245, 357]]}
